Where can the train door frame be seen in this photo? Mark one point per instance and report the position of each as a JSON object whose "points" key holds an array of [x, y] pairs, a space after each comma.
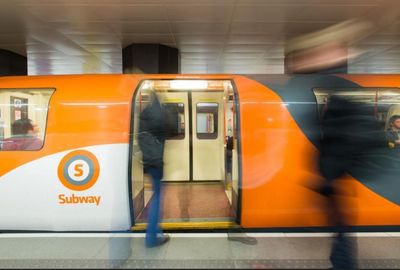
{"points": [[237, 208]]}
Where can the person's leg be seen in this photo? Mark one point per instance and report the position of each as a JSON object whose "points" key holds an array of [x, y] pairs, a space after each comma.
{"points": [[240, 236], [230, 162], [343, 251], [154, 214]]}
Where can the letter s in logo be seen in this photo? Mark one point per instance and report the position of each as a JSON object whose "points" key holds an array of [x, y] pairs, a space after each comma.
{"points": [[78, 170]]}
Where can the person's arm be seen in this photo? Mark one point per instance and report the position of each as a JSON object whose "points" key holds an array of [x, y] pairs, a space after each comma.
{"points": [[392, 139]]}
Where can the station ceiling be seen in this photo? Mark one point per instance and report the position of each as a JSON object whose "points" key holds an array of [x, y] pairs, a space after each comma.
{"points": [[213, 36]]}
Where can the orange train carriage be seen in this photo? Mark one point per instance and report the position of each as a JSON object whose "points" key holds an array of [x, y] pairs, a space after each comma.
{"points": [[86, 173]]}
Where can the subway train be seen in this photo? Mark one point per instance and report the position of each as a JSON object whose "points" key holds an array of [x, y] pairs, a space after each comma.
{"points": [[80, 168]]}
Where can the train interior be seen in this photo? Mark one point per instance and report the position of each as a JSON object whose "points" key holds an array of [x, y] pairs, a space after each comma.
{"points": [[383, 102], [16, 104], [201, 168]]}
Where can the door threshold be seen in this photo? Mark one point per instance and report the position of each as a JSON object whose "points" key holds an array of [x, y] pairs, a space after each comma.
{"points": [[209, 225]]}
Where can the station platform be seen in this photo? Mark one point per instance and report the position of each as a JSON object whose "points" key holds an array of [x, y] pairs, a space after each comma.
{"points": [[191, 250]]}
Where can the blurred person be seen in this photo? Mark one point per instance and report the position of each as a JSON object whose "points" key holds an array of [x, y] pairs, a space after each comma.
{"points": [[120, 250], [152, 134], [393, 132], [229, 149], [349, 130], [240, 236], [327, 48], [24, 136]]}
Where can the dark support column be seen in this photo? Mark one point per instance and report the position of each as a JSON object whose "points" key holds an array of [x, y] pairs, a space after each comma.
{"points": [[150, 59], [12, 64]]}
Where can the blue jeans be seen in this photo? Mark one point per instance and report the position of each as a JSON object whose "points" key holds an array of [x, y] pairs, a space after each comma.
{"points": [[153, 228]]}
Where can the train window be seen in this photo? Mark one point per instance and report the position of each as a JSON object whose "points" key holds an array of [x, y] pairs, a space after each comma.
{"points": [[207, 120], [23, 118], [175, 120], [382, 102], [388, 105]]}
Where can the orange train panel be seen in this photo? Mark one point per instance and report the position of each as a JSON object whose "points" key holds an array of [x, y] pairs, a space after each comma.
{"points": [[83, 111], [369, 208], [374, 80], [279, 162]]}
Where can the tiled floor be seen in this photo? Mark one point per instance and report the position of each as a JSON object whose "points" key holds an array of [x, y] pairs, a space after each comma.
{"points": [[184, 201], [197, 250]]}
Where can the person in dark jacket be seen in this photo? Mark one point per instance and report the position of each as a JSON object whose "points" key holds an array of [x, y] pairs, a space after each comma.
{"points": [[152, 132], [347, 130], [335, 159], [393, 133]]}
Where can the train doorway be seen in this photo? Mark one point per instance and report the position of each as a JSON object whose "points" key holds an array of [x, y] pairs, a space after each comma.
{"points": [[194, 148], [201, 168]]}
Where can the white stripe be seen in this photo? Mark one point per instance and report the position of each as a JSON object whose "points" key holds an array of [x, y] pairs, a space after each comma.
{"points": [[190, 235]]}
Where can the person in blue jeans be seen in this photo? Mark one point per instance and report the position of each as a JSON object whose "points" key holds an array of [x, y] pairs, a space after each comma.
{"points": [[154, 236], [152, 133]]}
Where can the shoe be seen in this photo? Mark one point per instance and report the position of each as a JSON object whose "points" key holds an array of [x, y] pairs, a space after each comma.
{"points": [[244, 239], [160, 241]]}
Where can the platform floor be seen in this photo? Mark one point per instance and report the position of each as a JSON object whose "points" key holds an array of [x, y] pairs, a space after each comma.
{"points": [[190, 250], [192, 202]]}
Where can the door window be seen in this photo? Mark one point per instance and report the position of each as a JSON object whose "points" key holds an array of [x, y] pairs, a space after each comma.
{"points": [[175, 120], [207, 120]]}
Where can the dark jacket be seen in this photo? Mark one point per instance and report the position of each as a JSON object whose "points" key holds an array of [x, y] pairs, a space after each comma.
{"points": [[152, 122], [349, 130], [392, 136]]}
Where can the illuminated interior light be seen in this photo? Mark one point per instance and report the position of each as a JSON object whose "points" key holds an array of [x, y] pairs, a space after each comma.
{"points": [[147, 85], [217, 85], [161, 85], [188, 84]]}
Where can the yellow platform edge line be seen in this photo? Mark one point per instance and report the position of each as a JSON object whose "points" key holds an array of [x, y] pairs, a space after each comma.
{"points": [[189, 225]]}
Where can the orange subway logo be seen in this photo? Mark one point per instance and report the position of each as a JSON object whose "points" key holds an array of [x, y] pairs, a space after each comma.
{"points": [[75, 199], [79, 170]]}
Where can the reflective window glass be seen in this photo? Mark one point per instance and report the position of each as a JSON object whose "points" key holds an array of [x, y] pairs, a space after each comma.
{"points": [[207, 120], [175, 120], [23, 118]]}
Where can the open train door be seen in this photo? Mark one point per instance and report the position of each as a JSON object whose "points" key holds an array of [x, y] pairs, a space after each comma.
{"points": [[201, 167]]}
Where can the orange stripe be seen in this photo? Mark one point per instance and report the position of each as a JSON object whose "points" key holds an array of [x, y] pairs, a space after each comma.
{"points": [[374, 80], [83, 111]]}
